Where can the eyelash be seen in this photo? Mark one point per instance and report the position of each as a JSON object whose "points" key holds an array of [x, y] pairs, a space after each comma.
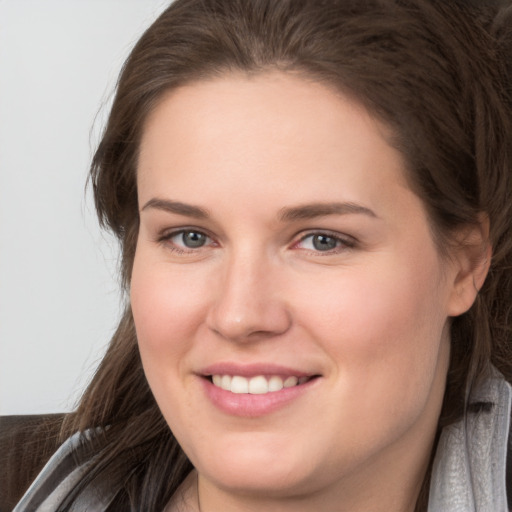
{"points": [[343, 243], [165, 239]]}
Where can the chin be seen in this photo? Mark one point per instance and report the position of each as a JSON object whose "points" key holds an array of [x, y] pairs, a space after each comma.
{"points": [[275, 482], [259, 469]]}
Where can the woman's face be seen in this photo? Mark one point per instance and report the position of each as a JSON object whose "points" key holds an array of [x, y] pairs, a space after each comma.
{"points": [[290, 304]]}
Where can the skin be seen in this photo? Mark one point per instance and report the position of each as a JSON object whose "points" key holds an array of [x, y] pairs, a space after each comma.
{"points": [[370, 316]]}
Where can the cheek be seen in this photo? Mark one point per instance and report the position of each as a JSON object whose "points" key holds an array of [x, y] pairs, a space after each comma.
{"points": [[372, 310], [168, 311], [167, 306], [382, 328]]}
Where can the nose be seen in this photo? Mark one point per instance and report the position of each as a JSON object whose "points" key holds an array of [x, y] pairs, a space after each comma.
{"points": [[248, 304]]}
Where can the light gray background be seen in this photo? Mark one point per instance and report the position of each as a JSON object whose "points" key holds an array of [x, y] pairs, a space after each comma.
{"points": [[59, 299]]}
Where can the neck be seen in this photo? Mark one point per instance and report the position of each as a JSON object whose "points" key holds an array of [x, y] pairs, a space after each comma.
{"points": [[359, 493]]}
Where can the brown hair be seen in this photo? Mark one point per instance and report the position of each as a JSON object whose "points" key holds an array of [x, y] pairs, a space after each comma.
{"points": [[437, 73]]}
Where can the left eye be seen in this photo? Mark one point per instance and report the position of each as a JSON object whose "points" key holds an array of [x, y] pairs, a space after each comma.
{"points": [[189, 239], [322, 242]]}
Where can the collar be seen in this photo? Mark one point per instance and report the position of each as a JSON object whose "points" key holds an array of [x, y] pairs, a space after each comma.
{"points": [[469, 471]]}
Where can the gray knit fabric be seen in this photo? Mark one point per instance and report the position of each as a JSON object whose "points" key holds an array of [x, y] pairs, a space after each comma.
{"points": [[469, 473]]}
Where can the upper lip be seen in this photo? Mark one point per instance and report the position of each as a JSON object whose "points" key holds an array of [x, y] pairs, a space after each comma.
{"points": [[252, 370]]}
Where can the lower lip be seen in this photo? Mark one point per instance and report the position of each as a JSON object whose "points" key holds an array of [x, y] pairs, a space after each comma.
{"points": [[251, 406]]}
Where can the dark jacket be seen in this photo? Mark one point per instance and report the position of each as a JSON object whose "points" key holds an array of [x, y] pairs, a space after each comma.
{"points": [[26, 444]]}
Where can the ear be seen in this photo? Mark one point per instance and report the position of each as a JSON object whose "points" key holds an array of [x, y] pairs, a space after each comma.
{"points": [[471, 259]]}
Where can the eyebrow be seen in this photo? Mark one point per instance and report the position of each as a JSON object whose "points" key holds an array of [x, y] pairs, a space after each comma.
{"points": [[176, 207], [311, 211], [289, 214]]}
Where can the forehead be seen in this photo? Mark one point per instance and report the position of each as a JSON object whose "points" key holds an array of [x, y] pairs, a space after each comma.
{"points": [[264, 125], [274, 110]]}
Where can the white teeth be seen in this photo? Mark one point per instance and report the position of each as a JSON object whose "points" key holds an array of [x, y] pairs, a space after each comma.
{"points": [[239, 384], [225, 382], [275, 384], [258, 385], [290, 382]]}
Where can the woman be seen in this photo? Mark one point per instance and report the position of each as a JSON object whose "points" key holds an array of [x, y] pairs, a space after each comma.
{"points": [[313, 201]]}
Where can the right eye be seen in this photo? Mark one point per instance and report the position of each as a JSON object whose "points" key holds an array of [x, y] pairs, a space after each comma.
{"points": [[186, 240], [190, 239]]}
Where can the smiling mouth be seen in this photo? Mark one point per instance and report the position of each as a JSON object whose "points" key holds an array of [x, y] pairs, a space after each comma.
{"points": [[258, 385]]}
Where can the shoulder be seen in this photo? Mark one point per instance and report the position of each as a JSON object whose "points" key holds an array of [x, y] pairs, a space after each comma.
{"points": [[509, 467], [70, 477], [472, 467], [26, 444]]}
